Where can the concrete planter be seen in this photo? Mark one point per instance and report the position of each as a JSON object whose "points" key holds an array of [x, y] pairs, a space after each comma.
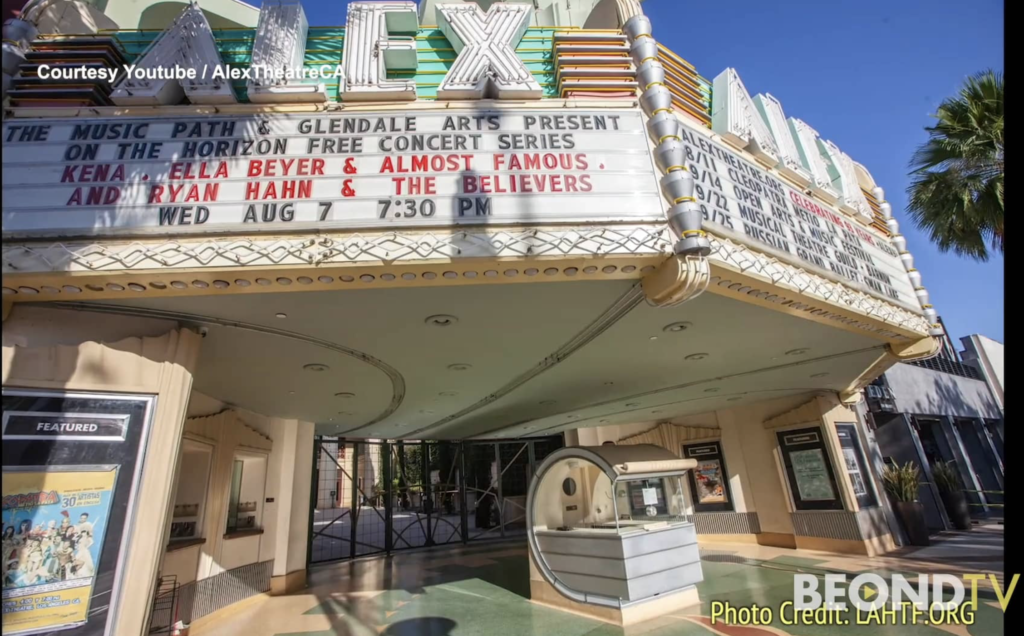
{"points": [[911, 513], [957, 509]]}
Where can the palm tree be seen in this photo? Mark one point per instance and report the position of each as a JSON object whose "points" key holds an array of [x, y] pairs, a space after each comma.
{"points": [[957, 189]]}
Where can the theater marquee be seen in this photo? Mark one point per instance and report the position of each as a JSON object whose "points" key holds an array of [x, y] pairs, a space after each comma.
{"points": [[365, 170]]}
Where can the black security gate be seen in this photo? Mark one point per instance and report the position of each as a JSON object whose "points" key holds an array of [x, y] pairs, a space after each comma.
{"points": [[379, 496]]}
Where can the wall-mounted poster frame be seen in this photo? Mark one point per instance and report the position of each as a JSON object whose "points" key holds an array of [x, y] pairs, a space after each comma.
{"points": [[856, 465], [709, 481], [812, 480], [107, 472]]}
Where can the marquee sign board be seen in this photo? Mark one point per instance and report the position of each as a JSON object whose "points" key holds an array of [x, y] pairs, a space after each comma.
{"points": [[87, 177], [742, 200]]}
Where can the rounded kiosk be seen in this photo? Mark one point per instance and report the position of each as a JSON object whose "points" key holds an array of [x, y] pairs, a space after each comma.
{"points": [[608, 535]]}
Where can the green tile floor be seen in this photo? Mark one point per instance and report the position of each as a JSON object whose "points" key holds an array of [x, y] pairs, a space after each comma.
{"points": [[484, 590]]}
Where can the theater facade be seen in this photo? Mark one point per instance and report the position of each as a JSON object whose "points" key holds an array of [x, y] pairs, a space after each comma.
{"points": [[245, 270]]}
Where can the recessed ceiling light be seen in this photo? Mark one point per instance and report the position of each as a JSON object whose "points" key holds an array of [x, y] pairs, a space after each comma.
{"points": [[291, 392], [602, 421], [281, 315], [819, 375], [459, 366], [733, 399], [697, 356], [655, 411], [654, 337], [797, 352], [345, 395], [441, 320], [345, 413], [713, 389], [316, 367], [609, 383], [676, 327], [448, 393], [571, 417], [426, 411], [632, 404]]}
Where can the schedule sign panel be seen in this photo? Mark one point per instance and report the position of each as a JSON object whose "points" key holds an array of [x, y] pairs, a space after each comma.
{"points": [[744, 201], [389, 169]]}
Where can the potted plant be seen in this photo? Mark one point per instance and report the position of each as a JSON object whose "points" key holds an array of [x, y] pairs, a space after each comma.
{"points": [[952, 493], [901, 482]]}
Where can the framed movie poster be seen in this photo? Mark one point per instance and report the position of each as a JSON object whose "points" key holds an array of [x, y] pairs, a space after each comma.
{"points": [[71, 465], [709, 481], [54, 522], [812, 481], [856, 465]]}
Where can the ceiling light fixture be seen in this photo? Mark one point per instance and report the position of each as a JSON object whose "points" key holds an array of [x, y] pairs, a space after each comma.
{"points": [[281, 315], [345, 395], [676, 327], [632, 404], [819, 375], [713, 389], [448, 393], [653, 338], [797, 352], [316, 367], [697, 356], [734, 399], [441, 320], [459, 366]]}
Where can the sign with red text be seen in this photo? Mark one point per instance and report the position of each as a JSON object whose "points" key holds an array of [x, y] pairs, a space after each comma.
{"points": [[391, 170]]}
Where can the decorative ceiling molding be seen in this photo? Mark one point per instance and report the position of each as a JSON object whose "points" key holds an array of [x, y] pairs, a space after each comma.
{"points": [[228, 427], [396, 378], [806, 413], [320, 250], [672, 436]]}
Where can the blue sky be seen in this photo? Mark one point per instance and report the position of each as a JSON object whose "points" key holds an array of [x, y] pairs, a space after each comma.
{"points": [[865, 74]]}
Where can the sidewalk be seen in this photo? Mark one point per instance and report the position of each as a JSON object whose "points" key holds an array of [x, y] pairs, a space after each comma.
{"points": [[483, 589]]}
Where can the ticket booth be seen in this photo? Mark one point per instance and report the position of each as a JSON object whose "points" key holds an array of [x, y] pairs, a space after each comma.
{"points": [[608, 535]]}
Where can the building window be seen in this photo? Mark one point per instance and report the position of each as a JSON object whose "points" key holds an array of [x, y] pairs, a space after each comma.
{"points": [[709, 481], [856, 466], [190, 500], [811, 478], [245, 501]]}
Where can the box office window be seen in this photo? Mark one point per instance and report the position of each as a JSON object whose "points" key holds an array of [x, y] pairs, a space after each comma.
{"points": [[245, 499], [856, 466], [709, 481], [190, 499], [811, 478]]}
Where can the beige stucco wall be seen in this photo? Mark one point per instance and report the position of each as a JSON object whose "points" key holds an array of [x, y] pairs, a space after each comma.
{"points": [[757, 477]]}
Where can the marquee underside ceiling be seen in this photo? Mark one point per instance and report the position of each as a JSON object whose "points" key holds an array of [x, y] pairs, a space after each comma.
{"points": [[517, 360]]}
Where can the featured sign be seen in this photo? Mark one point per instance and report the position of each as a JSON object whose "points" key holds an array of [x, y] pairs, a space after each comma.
{"points": [[69, 426], [741, 199], [54, 522], [274, 173]]}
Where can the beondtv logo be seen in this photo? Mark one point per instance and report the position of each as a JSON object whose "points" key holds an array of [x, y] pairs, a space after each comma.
{"points": [[870, 592]]}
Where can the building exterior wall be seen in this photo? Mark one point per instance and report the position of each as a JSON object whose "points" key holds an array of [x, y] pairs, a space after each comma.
{"points": [[927, 392], [758, 482], [986, 355]]}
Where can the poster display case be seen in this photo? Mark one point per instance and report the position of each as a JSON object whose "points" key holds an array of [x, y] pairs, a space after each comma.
{"points": [[71, 465]]}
